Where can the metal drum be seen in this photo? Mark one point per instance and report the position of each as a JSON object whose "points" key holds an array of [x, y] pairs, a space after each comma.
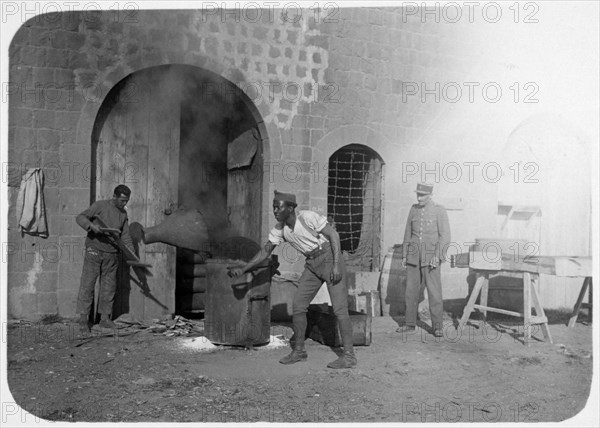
{"points": [[237, 311]]}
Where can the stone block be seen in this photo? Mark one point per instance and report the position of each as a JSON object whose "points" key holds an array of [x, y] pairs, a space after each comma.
{"points": [[315, 136], [43, 119], [57, 58], [28, 305], [48, 139], [67, 302], [20, 74], [51, 199], [92, 20], [77, 60], [34, 56], [307, 154], [301, 137], [21, 37], [321, 41], [67, 120], [47, 303], [69, 275], [14, 54], [299, 121], [71, 20], [46, 281], [73, 201], [61, 225], [21, 117], [315, 122], [25, 139], [44, 76], [64, 78], [19, 258], [73, 247]]}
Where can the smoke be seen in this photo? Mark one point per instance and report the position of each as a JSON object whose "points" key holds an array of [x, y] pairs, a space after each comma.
{"points": [[211, 117]]}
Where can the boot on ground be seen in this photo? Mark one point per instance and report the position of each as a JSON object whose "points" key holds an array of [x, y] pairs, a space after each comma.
{"points": [[346, 361], [296, 356], [84, 324]]}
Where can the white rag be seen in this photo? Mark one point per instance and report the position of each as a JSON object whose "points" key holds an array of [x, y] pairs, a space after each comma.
{"points": [[322, 296], [31, 210]]}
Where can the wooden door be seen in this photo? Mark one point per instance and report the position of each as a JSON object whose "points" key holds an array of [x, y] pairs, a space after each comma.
{"points": [[244, 187], [139, 147]]}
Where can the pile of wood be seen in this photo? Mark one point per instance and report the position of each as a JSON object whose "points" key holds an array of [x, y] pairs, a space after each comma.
{"points": [[178, 326]]}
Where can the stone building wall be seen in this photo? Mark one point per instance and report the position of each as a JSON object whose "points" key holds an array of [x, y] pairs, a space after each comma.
{"points": [[318, 82]]}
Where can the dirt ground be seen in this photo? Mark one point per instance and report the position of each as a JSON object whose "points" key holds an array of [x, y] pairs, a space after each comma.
{"points": [[483, 374]]}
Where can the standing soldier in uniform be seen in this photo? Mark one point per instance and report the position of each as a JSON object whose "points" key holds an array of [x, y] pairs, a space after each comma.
{"points": [[426, 240]]}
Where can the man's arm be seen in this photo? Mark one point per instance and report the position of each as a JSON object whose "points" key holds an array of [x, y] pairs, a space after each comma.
{"points": [[84, 220], [126, 236], [334, 239], [255, 261]]}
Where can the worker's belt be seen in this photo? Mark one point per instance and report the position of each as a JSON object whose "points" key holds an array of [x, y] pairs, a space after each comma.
{"points": [[318, 251]]}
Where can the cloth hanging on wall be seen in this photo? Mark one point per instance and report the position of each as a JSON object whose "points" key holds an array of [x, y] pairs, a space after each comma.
{"points": [[31, 209]]}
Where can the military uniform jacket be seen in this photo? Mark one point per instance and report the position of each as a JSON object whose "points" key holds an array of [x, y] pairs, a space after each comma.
{"points": [[427, 234]]}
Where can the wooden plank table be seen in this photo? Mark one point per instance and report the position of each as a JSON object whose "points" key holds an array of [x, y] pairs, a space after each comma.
{"points": [[528, 269]]}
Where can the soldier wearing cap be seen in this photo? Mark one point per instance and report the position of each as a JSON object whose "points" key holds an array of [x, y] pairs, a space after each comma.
{"points": [[426, 239], [310, 234]]}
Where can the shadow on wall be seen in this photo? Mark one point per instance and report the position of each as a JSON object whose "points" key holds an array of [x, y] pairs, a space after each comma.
{"points": [[392, 283]]}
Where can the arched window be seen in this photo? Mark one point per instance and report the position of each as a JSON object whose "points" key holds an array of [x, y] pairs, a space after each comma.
{"points": [[354, 204]]}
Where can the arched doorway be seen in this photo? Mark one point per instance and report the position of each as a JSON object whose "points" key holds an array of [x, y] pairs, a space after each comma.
{"points": [[168, 132]]}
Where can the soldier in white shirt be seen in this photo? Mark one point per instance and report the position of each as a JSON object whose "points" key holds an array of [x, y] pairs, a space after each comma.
{"points": [[310, 234]]}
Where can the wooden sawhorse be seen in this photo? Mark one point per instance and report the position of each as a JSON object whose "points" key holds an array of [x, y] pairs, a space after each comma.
{"points": [[530, 297], [586, 286]]}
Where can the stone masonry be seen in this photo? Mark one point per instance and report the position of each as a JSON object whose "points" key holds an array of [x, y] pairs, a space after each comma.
{"points": [[318, 80]]}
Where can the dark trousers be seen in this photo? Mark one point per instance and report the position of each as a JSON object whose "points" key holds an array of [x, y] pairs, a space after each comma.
{"points": [[316, 272], [418, 277], [98, 264]]}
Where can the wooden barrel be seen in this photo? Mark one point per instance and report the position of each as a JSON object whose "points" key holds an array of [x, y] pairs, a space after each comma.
{"points": [[237, 311], [392, 283]]}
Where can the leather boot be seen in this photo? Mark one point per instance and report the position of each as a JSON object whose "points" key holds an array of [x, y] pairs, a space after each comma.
{"points": [[346, 361], [297, 341], [106, 322], [84, 324], [297, 355]]}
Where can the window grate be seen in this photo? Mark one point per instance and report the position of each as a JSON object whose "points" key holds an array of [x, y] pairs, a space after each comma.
{"points": [[354, 202]]}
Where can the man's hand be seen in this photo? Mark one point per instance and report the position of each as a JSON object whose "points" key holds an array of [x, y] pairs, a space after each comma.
{"points": [[434, 263], [403, 263], [336, 275], [96, 229], [235, 272]]}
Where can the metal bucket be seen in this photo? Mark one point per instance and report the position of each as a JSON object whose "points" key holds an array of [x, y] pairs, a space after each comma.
{"points": [[237, 311]]}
